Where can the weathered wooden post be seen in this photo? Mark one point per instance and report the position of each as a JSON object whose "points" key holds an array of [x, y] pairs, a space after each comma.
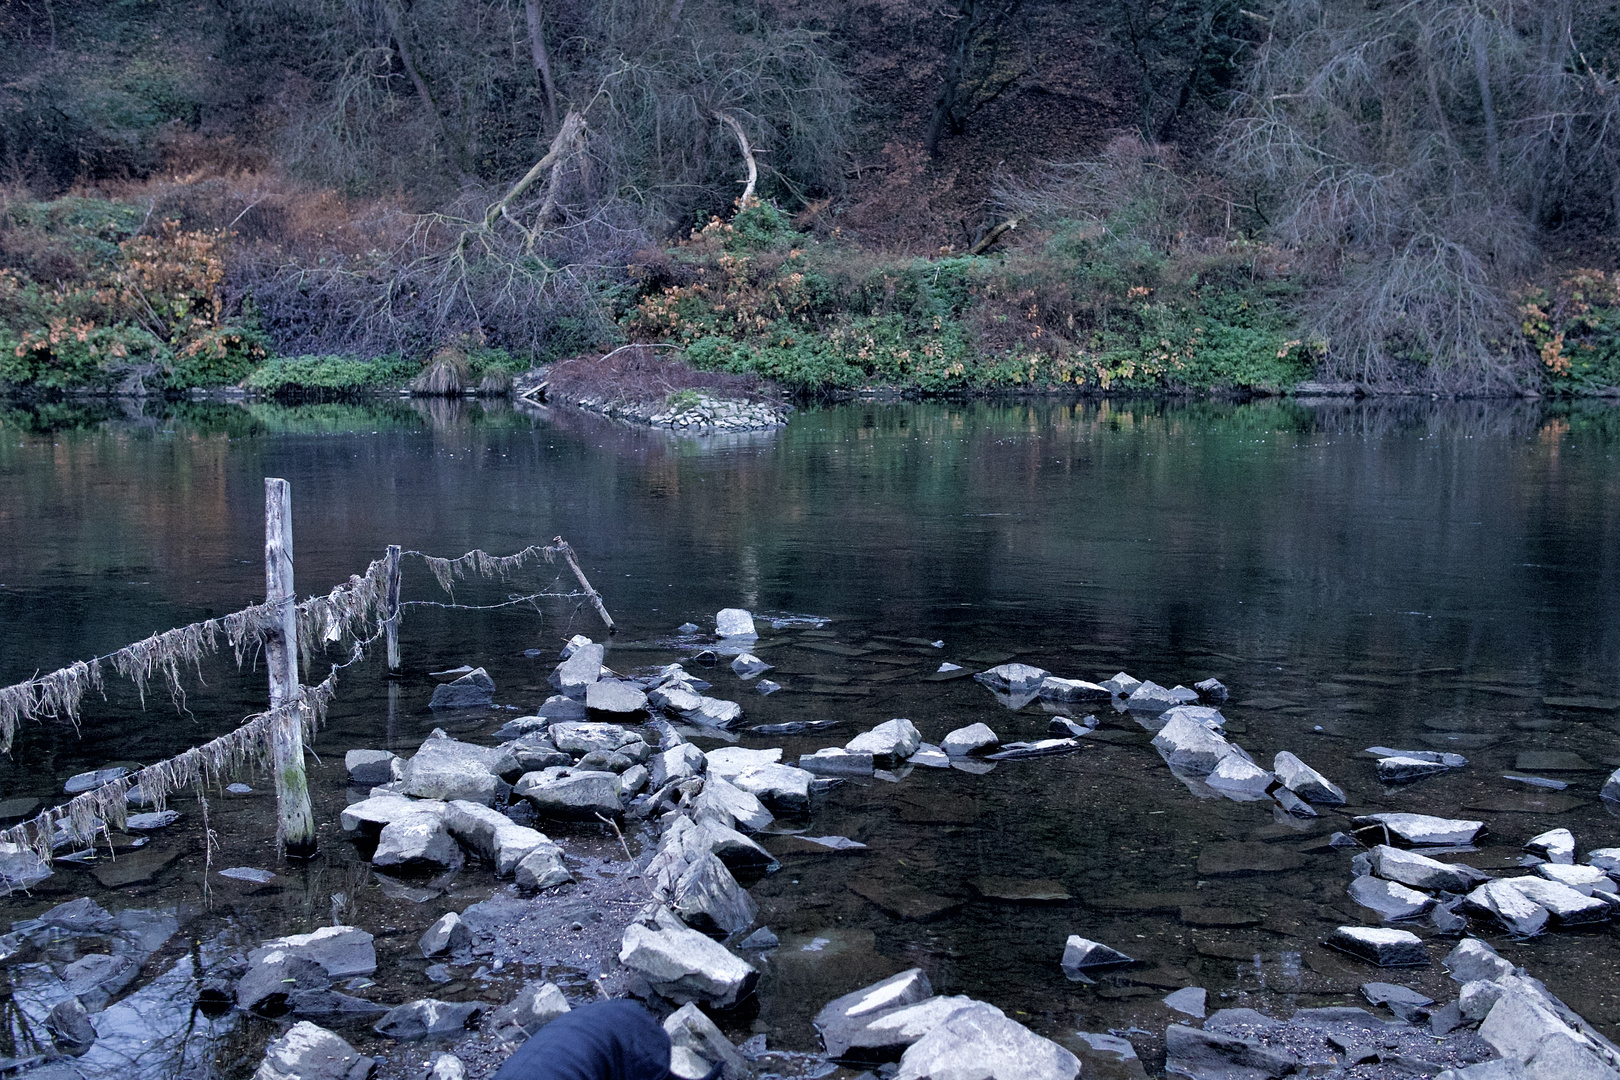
{"points": [[595, 597], [391, 624], [295, 821]]}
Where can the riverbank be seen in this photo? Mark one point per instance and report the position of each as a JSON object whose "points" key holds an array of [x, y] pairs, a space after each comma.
{"points": [[101, 298]]}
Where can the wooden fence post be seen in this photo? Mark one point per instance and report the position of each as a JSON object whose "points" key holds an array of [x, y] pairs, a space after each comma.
{"points": [[392, 607], [295, 821]]}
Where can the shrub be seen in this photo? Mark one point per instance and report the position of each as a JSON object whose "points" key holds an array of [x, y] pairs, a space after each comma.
{"points": [[1574, 327], [317, 377]]}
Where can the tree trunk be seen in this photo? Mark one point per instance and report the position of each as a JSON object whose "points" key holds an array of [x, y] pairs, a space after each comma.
{"points": [[542, 58]]}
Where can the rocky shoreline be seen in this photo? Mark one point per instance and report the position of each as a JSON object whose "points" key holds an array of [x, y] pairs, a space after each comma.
{"points": [[676, 926]]}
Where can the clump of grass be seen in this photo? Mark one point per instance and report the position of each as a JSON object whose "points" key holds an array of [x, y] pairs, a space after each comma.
{"points": [[318, 378]]}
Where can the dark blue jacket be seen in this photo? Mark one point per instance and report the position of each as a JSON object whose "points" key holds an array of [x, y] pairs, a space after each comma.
{"points": [[605, 1040]]}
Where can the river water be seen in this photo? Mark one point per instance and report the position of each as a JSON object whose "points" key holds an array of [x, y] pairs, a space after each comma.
{"points": [[1409, 574]]}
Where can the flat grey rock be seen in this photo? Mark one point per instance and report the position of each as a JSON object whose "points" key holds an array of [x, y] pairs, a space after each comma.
{"points": [[613, 696], [781, 788], [730, 761], [884, 1035], [1384, 947], [836, 761], [676, 764], [370, 815], [720, 800], [250, 874], [1189, 1000], [473, 690], [1474, 960], [708, 899], [714, 712], [584, 737], [571, 795], [1421, 872], [428, 1018], [1555, 845], [578, 671], [445, 769], [890, 743], [1565, 906], [343, 951], [491, 835], [367, 768], [95, 977], [1391, 900], [82, 782], [266, 985], [20, 868], [417, 842], [1015, 751], [1053, 688], [310, 1052], [157, 819], [1422, 830], [762, 938], [840, 1018], [1215, 1055], [1508, 906], [684, 965], [980, 1043], [1586, 880]]}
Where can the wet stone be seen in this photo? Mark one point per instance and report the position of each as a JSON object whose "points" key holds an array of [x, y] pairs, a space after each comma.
{"points": [[266, 986], [1403, 1001], [1506, 905], [1384, 947], [1420, 871], [1083, 954], [734, 622], [981, 1042], [1422, 830], [1552, 761], [472, 690], [749, 666], [762, 938], [839, 1019], [1555, 845], [1012, 678], [1194, 915], [1564, 905], [1150, 697], [1193, 747], [890, 743], [1211, 691], [905, 901], [1392, 901], [82, 782], [427, 1018], [1586, 880], [20, 868], [369, 767], [446, 935], [1406, 770], [251, 874], [1021, 890], [70, 1028], [684, 965], [343, 951], [310, 1052], [1053, 688], [1239, 777], [536, 1005], [836, 761], [157, 819], [542, 868], [1121, 684]]}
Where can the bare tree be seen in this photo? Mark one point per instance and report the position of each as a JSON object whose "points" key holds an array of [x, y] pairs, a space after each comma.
{"points": [[976, 71]]}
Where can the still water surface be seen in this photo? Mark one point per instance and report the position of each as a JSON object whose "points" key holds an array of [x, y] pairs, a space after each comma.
{"points": [[1407, 574]]}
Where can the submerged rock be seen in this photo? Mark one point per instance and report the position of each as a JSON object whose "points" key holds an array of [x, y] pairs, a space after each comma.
{"points": [[310, 1052], [714, 712], [266, 986], [749, 666], [836, 761], [472, 691], [1407, 770], [1306, 782], [684, 965], [20, 868], [1212, 691], [1384, 947]]}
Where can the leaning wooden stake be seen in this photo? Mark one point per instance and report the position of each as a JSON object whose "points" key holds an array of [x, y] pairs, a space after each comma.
{"points": [[295, 823], [596, 598], [391, 620]]}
